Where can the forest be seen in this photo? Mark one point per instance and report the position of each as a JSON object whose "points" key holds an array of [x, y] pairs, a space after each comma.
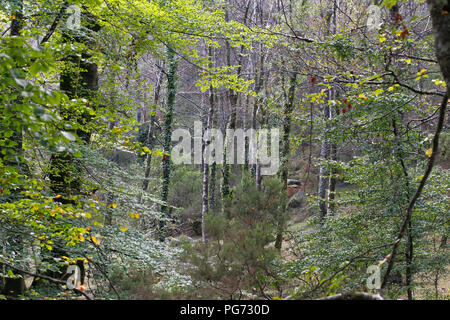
{"points": [[224, 149]]}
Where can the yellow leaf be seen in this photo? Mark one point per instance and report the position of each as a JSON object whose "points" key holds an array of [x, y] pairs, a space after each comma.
{"points": [[378, 92], [391, 89], [382, 39], [136, 215], [113, 205], [123, 229], [81, 238], [94, 239], [58, 196], [429, 152]]}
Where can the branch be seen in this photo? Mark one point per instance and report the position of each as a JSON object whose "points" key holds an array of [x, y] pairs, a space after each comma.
{"points": [[416, 196], [348, 264], [54, 24]]}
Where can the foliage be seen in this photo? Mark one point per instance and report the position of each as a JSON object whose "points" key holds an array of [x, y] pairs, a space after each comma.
{"points": [[239, 260]]}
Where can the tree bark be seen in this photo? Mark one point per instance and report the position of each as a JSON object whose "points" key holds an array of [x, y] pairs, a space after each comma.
{"points": [[324, 174], [206, 159], [167, 147], [150, 141], [287, 119]]}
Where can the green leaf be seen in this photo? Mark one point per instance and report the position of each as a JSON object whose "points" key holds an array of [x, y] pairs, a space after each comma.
{"points": [[390, 3]]}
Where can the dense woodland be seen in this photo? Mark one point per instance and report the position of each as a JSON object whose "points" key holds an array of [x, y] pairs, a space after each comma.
{"points": [[94, 204]]}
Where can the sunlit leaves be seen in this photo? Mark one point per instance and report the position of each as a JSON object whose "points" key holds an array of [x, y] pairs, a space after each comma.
{"points": [[222, 76], [69, 136]]}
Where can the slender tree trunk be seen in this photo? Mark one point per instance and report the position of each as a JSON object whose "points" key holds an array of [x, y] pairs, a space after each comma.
{"points": [[323, 171], [212, 186], [257, 106], [333, 145], [205, 190], [150, 141], [246, 146], [325, 148], [255, 170], [409, 251], [167, 147], [206, 156], [409, 254], [287, 119], [333, 171], [233, 101], [110, 194]]}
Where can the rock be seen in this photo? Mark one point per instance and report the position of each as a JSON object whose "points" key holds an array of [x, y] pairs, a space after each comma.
{"points": [[123, 158], [296, 201], [291, 182]]}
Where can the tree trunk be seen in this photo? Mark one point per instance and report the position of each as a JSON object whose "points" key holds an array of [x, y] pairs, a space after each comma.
{"points": [[287, 119], [65, 171], [323, 171], [167, 147], [441, 28], [150, 141], [325, 148], [206, 154], [233, 101], [333, 172]]}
